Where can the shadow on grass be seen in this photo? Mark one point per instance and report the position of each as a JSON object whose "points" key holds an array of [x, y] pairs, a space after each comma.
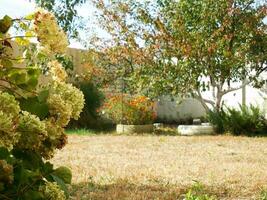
{"points": [[96, 131], [123, 189], [167, 131]]}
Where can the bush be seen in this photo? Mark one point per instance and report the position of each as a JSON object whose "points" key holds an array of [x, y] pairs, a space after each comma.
{"points": [[218, 119], [247, 120], [123, 109], [89, 118]]}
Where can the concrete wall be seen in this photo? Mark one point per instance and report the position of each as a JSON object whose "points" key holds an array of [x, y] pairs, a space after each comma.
{"points": [[173, 110], [77, 56], [177, 109]]}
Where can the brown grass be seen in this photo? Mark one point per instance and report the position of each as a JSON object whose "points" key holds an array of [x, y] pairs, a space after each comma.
{"points": [[163, 167]]}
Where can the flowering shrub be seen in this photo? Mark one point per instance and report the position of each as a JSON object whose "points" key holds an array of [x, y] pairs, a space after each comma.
{"points": [[33, 113], [123, 109], [51, 38]]}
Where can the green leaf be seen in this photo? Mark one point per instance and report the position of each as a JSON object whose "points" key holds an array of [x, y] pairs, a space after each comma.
{"points": [[29, 159], [22, 41], [32, 83], [23, 25], [43, 95], [2, 187], [47, 168], [41, 56], [19, 59], [61, 184], [34, 106], [3, 153], [18, 77], [29, 17], [33, 71], [24, 176], [6, 62], [18, 173], [33, 195], [5, 24], [64, 173], [29, 34]]}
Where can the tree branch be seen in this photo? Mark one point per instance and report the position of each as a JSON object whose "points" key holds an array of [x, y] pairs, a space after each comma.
{"points": [[234, 89], [18, 36], [249, 3], [16, 86], [204, 101]]}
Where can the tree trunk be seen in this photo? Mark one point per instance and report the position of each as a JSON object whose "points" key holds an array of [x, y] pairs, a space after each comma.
{"points": [[218, 102], [204, 102], [207, 109], [216, 105]]}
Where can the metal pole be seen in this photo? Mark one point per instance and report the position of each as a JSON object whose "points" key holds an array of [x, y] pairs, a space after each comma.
{"points": [[244, 93], [122, 110]]}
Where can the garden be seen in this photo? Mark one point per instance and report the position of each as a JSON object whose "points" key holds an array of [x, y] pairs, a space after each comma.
{"points": [[94, 121]]}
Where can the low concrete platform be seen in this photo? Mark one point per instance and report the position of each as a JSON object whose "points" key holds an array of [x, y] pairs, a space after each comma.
{"points": [[204, 129]]}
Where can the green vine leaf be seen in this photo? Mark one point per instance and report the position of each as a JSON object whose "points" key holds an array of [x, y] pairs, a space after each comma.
{"points": [[5, 24]]}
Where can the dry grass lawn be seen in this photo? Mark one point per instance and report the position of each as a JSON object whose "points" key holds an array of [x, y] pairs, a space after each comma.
{"points": [[164, 167]]}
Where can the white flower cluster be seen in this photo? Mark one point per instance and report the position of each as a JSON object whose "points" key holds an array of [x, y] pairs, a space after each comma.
{"points": [[19, 129], [52, 191], [56, 139], [59, 109], [56, 70], [9, 111], [52, 39], [32, 132], [64, 102], [26, 131], [72, 96]]}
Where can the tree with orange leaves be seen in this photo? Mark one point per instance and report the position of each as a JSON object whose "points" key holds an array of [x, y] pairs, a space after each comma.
{"points": [[191, 46]]}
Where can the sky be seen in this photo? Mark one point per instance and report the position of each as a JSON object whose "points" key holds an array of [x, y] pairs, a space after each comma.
{"points": [[15, 8], [19, 8]]}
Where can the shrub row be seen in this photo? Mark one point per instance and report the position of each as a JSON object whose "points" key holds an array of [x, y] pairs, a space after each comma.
{"points": [[247, 120]]}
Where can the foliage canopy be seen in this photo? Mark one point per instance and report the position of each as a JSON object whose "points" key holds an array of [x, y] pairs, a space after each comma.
{"points": [[187, 47]]}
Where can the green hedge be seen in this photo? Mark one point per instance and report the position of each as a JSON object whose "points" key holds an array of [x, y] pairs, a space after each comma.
{"points": [[247, 120]]}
